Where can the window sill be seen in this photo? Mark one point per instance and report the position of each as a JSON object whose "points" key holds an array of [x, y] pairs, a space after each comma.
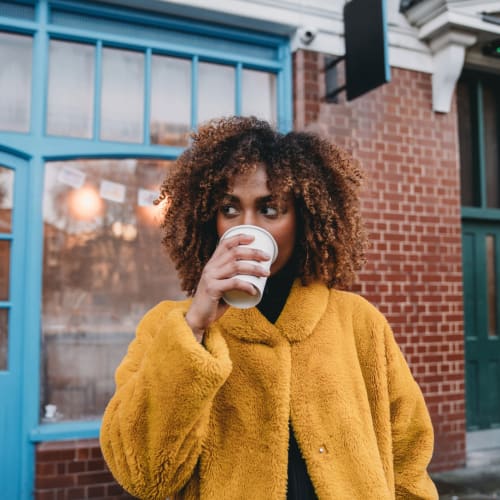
{"points": [[62, 431]]}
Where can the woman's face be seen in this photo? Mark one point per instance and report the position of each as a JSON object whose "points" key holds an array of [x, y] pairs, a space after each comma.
{"points": [[249, 201]]}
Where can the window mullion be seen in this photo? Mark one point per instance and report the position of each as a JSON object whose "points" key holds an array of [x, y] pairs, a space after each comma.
{"points": [[194, 93], [97, 90], [238, 82], [147, 96], [39, 79]]}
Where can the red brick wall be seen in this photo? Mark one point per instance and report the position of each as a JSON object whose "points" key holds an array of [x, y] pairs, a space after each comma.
{"points": [[411, 205], [71, 470]]}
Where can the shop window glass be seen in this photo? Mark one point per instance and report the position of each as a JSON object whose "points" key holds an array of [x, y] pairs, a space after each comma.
{"points": [[6, 196], [71, 89], [492, 284], [216, 91], [15, 82], [491, 114], [170, 100], [258, 95], [4, 269], [103, 268], [469, 172], [4, 339], [122, 96]]}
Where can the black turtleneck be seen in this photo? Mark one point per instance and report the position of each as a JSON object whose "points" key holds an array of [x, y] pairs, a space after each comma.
{"points": [[273, 300]]}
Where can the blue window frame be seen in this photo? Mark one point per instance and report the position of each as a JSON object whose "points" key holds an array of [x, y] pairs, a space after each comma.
{"points": [[102, 27]]}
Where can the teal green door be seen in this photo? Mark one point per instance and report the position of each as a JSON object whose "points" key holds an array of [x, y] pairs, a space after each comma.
{"points": [[481, 275], [12, 228]]}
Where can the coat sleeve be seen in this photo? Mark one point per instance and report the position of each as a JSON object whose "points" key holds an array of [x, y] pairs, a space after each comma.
{"points": [[412, 433], [154, 426]]}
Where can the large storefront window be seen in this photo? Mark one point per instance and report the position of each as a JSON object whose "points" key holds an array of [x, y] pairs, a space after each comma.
{"points": [[103, 269]]}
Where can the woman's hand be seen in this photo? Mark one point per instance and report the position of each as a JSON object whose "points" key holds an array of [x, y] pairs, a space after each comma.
{"points": [[231, 257]]}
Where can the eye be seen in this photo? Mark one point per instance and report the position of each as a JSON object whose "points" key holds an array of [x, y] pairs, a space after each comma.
{"points": [[228, 210], [269, 211]]}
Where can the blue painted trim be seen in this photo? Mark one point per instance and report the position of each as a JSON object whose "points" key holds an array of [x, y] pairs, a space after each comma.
{"points": [[147, 97], [39, 72], [33, 237], [33, 266], [134, 17], [118, 41], [97, 90], [17, 142], [85, 429], [284, 91], [13, 376], [5, 236], [17, 26], [238, 80], [57, 148], [194, 93]]}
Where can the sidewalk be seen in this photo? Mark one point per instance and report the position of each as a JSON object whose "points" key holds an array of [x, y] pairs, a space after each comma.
{"points": [[481, 478]]}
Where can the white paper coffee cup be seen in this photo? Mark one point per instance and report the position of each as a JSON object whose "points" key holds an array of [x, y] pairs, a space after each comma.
{"points": [[263, 240]]}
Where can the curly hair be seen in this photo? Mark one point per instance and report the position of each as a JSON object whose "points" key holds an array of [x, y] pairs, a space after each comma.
{"points": [[323, 180]]}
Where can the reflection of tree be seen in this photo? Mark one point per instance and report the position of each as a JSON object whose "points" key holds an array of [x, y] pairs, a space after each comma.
{"points": [[96, 274]]}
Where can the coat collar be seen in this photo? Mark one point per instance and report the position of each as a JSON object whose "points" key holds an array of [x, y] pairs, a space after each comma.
{"points": [[303, 310]]}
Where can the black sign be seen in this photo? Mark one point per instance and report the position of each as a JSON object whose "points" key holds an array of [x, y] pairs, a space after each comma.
{"points": [[366, 47]]}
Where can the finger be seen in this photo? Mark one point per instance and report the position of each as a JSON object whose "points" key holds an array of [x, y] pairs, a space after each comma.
{"points": [[238, 284], [237, 267], [237, 239]]}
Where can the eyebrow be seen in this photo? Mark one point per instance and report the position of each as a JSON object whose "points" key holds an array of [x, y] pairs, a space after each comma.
{"points": [[261, 199]]}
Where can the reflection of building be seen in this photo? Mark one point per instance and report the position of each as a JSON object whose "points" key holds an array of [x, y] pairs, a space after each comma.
{"points": [[125, 82]]}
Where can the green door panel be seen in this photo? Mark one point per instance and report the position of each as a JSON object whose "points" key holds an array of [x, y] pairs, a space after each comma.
{"points": [[481, 278]]}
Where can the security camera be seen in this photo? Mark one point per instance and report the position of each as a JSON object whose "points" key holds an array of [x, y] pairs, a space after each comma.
{"points": [[307, 35]]}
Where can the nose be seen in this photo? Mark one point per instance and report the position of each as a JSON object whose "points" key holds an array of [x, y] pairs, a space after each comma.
{"points": [[249, 217]]}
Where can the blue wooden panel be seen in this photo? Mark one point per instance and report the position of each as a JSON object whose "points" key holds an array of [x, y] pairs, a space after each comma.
{"points": [[11, 431], [17, 10]]}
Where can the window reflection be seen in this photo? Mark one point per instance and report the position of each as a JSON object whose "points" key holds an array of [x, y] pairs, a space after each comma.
{"points": [[492, 287], [491, 153], [6, 195], [216, 91], [4, 339], [258, 94], [4, 269], [122, 95], [15, 82], [71, 89], [170, 100], [104, 268]]}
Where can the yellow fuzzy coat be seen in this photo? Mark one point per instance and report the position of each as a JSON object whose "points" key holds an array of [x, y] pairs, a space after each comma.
{"points": [[213, 422]]}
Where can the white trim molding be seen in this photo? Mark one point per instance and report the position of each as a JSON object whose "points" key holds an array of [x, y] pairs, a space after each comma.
{"points": [[452, 29], [448, 57]]}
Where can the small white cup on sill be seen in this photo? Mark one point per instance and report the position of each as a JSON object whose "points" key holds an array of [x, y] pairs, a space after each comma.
{"points": [[263, 240]]}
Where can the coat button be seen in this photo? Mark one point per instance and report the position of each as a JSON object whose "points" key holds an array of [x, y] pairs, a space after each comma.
{"points": [[321, 449]]}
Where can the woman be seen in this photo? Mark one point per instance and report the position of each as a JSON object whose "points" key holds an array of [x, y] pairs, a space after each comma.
{"points": [[304, 396]]}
